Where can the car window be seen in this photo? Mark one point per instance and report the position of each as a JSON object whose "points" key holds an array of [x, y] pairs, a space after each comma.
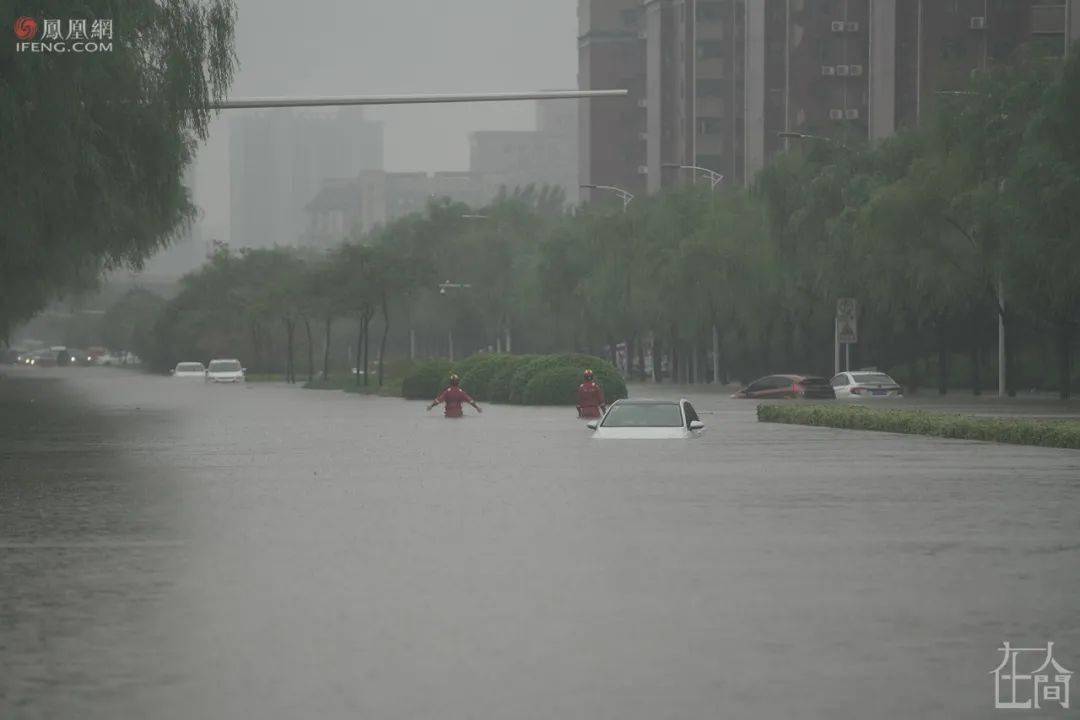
{"points": [[629, 415], [881, 378], [757, 385], [814, 381], [777, 382], [225, 366], [691, 416], [839, 381], [189, 367]]}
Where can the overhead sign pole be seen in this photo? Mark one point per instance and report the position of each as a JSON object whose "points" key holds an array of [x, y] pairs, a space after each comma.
{"points": [[417, 99], [847, 329]]}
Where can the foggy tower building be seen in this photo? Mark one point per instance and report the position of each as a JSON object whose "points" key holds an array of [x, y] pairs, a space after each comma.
{"points": [[278, 161]]}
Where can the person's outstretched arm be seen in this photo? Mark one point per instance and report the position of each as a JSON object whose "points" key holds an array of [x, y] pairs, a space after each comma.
{"points": [[472, 402], [437, 400]]}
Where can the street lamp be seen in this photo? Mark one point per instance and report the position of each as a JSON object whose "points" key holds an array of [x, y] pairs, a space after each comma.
{"points": [[443, 287], [805, 136], [714, 177], [625, 195]]}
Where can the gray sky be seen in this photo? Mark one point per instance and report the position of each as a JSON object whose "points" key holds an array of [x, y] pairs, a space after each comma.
{"points": [[346, 47]]}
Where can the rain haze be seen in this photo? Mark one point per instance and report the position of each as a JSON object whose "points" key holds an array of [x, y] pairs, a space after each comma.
{"points": [[737, 381], [329, 47]]}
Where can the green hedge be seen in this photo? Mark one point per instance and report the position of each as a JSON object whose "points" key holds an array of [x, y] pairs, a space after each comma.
{"points": [[1016, 431], [520, 379]]}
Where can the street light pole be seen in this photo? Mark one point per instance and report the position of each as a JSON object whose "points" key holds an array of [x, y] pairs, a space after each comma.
{"points": [[625, 195], [714, 177], [805, 136], [443, 287]]}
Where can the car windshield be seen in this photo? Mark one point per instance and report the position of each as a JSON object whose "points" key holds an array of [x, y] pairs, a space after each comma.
{"points": [[881, 378], [644, 415], [814, 381], [189, 367], [225, 366]]}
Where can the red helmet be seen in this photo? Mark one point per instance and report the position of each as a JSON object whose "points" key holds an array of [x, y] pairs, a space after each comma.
{"points": [[454, 379], [588, 375]]}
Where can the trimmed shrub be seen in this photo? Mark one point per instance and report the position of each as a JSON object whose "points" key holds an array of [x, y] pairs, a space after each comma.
{"points": [[1015, 431], [501, 382], [483, 369], [426, 380], [554, 393], [522, 379]]}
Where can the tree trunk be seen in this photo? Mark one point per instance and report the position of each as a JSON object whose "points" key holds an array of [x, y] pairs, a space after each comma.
{"points": [[310, 350], [367, 345], [976, 369], [943, 359], [641, 360], [657, 359], [360, 349], [1064, 353], [290, 330], [385, 333], [326, 350]]}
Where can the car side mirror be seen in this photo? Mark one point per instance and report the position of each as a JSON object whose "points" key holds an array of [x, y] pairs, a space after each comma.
{"points": [[243, 370], [592, 425], [697, 425], [172, 372]]}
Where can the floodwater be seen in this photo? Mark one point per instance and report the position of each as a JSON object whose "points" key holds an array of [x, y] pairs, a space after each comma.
{"points": [[175, 550]]}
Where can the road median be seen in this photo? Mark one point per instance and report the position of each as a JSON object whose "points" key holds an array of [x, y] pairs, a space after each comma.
{"points": [[1014, 431]]}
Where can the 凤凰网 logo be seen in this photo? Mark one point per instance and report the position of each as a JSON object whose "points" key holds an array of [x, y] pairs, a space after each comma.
{"points": [[74, 35], [26, 28], [1030, 679]]}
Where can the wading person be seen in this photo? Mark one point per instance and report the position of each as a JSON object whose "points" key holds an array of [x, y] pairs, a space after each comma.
{"points": [[590, 403], [453, 397]]}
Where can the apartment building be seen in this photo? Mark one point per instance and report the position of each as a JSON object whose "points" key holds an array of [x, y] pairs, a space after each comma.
{"points": [[725, 77], [611, 54]]}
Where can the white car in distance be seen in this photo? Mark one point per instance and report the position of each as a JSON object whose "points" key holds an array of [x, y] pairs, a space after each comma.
{"points": [[648, 420], [868, 384], [225, 371], [189, 370]]}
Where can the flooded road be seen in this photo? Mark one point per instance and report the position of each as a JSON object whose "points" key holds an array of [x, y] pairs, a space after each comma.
{"points": [[173, 550]]}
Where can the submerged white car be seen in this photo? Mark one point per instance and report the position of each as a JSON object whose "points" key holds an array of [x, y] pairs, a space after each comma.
{"points": [[865, 384], [225, 371], [648, 420], [189, 370]]}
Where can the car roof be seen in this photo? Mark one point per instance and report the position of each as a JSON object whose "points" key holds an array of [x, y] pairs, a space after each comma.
{"points": [[646, 401]]}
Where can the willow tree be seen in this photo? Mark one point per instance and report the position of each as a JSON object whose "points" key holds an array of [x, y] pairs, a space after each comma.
{"points": [[93, 146]]}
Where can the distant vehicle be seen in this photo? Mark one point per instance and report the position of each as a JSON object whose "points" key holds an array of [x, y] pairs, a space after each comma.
{"points": [[225, 371], [96, 351], [648, 420], [106, 358], [79, 357], [780, 387], [42, 358], [865, 384], [12, 356], [189, 370]]}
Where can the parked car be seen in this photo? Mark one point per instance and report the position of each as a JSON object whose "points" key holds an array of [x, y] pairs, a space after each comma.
{"points": [[225, 371], [12, 356], [648, 420], [865, 384], [779, 387], [42, 358], [189, 370], [106, 359]]}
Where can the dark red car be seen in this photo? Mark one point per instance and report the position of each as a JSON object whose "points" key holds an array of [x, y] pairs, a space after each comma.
{"points": [[780, 387]]}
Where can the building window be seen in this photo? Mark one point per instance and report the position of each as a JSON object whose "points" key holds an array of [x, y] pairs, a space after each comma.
{"points": [[708, 49], [709, 11], [710, 125], [711, 88]]}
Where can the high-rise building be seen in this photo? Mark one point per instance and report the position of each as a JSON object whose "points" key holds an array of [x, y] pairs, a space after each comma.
{"points": [[519, 158], [611, 54], [278, 161], [726, 77]]}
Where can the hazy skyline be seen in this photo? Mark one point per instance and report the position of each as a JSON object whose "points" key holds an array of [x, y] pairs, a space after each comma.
{"points": [[335, 47]]}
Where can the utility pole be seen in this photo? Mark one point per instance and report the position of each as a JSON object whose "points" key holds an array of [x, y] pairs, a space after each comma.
{"points": [[1002, 392], [443, 287], [715, 178]]}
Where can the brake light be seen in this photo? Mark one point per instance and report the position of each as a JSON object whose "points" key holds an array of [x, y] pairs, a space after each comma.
{"points": [[797, 388]]}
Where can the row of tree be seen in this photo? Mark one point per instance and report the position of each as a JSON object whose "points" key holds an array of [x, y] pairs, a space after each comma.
{"points": [[93, 147], [938, 231]]}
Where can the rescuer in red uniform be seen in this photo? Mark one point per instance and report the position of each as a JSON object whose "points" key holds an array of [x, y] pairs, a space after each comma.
{"points": [[454, 396], [590, 398]]}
